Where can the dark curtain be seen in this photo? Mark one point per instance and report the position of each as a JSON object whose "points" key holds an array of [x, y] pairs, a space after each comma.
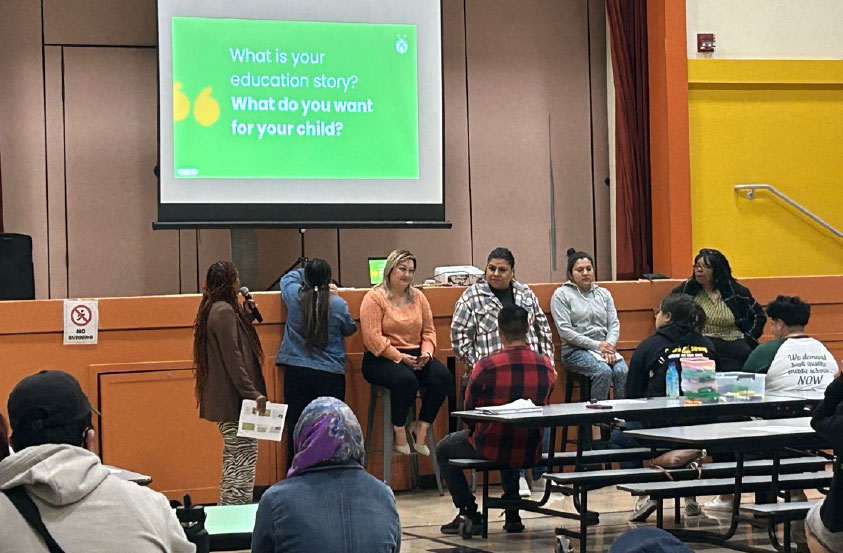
{"points": [[628, 31]]}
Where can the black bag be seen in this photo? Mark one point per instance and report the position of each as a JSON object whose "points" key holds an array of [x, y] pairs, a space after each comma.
{"points": [[192, 519], [29, 511]]}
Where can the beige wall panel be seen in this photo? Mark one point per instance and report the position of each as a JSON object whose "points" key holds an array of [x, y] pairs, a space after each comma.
{"points": [[214, 245], [57, 236], [111, 129], [528, 62], [600, 128], [279, 248], [22, 131], [103, 22], [432, 247], [188, 262]]}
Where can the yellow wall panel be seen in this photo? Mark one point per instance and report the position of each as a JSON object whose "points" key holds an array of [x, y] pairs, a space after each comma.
{"points": [[786, 134]]}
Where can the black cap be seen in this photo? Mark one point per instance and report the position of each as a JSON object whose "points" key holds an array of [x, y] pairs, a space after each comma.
{"points": [[48, 399]]}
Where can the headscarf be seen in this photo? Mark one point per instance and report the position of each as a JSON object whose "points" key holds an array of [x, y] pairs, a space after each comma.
{"points": [[327, 433], [648, 540]]}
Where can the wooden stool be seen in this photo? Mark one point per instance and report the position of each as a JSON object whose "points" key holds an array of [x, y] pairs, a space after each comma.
{"points": [[388, 439], [584, 384]]}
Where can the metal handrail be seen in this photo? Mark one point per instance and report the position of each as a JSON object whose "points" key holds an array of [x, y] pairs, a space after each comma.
{"points": [[750, 195]]}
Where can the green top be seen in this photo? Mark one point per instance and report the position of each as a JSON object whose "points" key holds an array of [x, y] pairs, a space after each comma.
{"points": [[719, 319], [761, 358]]}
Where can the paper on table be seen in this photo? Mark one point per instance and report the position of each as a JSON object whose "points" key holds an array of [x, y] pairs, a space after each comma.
{"points": [[266, 425], [517, 406], [625, 401], [778, 429]]}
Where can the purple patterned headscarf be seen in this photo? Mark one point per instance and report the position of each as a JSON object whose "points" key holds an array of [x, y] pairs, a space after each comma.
{"points": [[327, 432]]}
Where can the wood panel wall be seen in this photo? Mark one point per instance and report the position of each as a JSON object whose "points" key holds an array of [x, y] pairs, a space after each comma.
{"points": [[139, 372]]}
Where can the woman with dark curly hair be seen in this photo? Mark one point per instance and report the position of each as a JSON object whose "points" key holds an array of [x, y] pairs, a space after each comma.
{"points": [[228, 359], [733, 319]]}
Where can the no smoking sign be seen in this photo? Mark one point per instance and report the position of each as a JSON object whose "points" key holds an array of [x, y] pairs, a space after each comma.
{"points": [[81, 322]]}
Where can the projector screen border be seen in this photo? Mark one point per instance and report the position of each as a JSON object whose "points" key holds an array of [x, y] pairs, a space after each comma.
{"points": [[180, 225]]}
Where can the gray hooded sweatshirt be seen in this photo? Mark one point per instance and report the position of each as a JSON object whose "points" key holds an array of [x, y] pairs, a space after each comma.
{"points": [[83, 506], [584, 319]]}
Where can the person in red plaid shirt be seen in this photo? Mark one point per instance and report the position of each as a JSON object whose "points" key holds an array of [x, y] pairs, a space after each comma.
{"points": [[517, 372]]}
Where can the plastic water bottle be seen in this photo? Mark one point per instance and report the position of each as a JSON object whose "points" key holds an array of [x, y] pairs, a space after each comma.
{"points": [[672, 381]]}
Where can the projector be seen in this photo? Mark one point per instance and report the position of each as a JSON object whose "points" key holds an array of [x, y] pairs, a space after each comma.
{"points": [[460, 275]]}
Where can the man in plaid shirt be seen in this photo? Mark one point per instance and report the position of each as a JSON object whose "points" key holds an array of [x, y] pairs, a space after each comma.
{"points": [[474, 326], [516, 372]]}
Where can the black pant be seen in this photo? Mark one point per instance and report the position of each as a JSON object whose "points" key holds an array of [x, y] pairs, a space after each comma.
{"points": [[301, 386], [732, 353], [403, 384], [456, 446]]}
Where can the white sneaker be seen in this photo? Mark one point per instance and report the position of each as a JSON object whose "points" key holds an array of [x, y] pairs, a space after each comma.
{"points": [[644, 507], [524, 488], [692, 508], [720, 504]]}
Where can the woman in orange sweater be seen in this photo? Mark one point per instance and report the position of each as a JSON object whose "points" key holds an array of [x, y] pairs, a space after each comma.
{"points": [[397, 328]]}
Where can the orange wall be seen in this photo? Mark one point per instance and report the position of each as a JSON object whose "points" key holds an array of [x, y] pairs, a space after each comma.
{"points": [[139, 373]]}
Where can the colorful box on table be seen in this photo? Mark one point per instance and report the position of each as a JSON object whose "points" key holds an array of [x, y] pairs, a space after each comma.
{"points": [[740, 386], [698, 380]]}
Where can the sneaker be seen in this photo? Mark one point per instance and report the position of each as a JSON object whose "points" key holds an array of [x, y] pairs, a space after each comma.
{"points": [[720, 503], [472, 525], [513, 523], [643, 509], [524, 488], [692, 508], [453, 527]]}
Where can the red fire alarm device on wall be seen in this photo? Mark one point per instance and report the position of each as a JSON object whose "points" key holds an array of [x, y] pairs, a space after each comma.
{"points": [[705, 42]]}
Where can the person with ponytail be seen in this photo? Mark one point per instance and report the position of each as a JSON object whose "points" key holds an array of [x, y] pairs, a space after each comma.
{"points": [[312, 352], [679, 324], [228, 361], [588, 325]]}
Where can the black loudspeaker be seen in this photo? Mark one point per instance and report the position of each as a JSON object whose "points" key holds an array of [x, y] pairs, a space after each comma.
{"points": [[17, 277]]}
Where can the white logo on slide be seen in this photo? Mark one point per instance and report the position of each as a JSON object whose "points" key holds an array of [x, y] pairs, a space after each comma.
{"points": [[401, 45]]}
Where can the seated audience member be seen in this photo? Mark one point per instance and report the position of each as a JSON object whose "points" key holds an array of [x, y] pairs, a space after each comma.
{"points": [[474, 326], [4, 439], [328, 502], [678, 324], [515, 373], [733, 319], [398, 333], [588, 325], [648, 540], [786, 358], [824, 522], [54, 470]]}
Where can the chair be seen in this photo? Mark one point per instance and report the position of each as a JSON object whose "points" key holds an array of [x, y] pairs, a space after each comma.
{"points": [[379, 392]]}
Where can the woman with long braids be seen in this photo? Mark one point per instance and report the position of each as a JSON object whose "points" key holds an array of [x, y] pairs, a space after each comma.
{"points": [[227, 359], [313, 349]]}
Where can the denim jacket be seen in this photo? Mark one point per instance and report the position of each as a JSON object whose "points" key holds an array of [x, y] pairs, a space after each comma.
{"points": [[332, 508], [293, 350]]}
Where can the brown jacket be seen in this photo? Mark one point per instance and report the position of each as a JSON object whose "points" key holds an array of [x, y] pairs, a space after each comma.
{"points": [[234, 371]]}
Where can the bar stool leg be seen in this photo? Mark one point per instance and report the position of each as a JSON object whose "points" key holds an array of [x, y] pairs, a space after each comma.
{"points": [[388, 436], [432, 444], [370, 423]]}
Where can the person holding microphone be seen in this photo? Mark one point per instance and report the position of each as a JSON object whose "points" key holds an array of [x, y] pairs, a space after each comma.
{"points": [[228, 361]]}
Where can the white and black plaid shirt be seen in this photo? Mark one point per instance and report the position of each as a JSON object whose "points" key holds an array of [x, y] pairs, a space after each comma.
{"points": [[474, 326]]}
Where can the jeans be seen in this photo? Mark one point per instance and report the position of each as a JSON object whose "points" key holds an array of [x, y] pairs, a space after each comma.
{"points": [[456, 446], [600, 373], [621, 441]]}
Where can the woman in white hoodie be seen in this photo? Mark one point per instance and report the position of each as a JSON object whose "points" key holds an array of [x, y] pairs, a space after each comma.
{"points": [[588, 325]]}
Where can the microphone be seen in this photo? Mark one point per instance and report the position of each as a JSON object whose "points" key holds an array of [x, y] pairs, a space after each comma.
{"points": [[248, 297]]}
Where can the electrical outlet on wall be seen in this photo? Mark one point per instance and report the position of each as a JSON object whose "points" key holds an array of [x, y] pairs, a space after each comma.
{"points": [[705, 42]]}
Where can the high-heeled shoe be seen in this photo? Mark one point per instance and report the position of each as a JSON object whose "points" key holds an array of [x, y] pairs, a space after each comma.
{"points": [[402, 449], [420, 448]]}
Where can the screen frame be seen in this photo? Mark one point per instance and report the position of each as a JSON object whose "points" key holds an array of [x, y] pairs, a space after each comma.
{"points": [[264, 215]]}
